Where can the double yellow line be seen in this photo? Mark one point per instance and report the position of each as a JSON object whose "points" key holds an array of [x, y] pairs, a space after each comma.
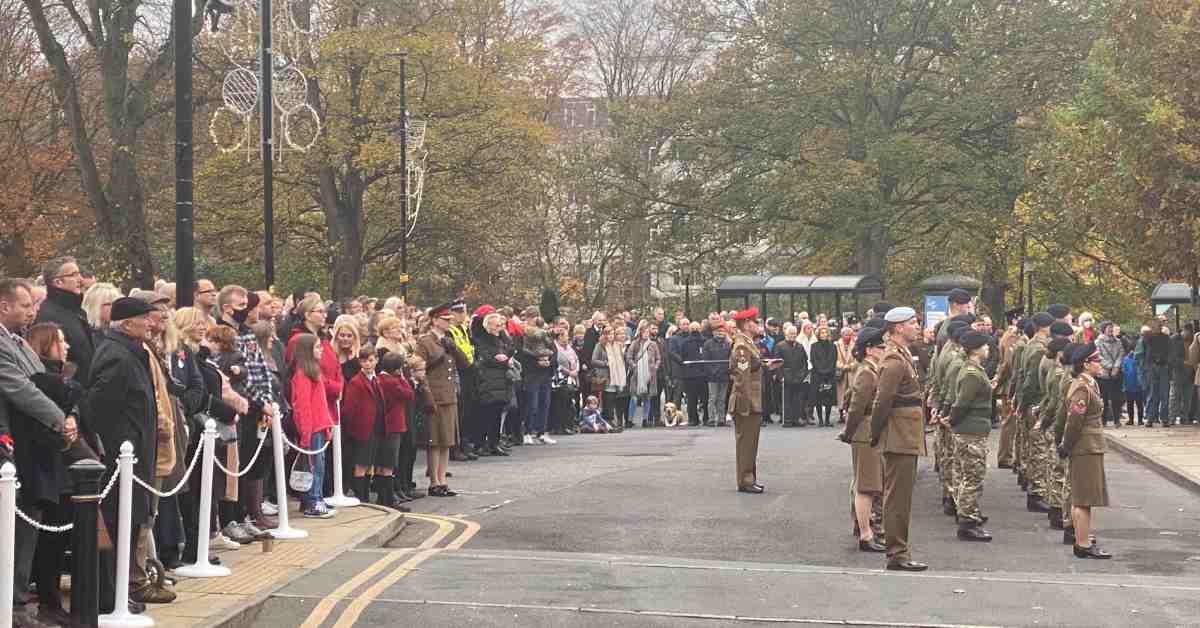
{"points": [[417, 555]]}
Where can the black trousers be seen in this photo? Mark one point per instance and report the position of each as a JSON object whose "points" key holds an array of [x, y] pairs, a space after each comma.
{"points": [[696, 391], [1110, 390], [487, 417], [796, 396], [561, 409], [49, 557], [407, 459]]}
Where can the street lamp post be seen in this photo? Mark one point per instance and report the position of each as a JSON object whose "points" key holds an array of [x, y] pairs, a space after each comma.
{"points": [[268, 145], [404, 176], [185, 266]]}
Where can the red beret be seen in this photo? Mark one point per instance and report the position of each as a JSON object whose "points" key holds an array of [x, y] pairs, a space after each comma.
{"points": [[746, 315]]}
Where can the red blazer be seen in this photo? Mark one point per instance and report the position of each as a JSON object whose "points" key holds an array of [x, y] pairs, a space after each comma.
{"points": [[359, 405], [396, 393]]}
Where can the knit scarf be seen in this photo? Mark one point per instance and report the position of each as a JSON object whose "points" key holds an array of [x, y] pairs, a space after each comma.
{"points": [[641, 383], [617, 378]]}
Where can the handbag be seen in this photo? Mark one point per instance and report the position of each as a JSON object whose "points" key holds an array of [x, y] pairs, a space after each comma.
{"points": [[226, 432], [301, 480]]}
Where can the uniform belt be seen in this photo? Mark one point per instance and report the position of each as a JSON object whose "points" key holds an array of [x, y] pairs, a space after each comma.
{"points": [[906, 403]]}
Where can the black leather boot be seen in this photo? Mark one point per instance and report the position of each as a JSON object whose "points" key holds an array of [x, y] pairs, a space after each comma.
{"points": [[1035, 503], [971, 531], [1056, 517]]}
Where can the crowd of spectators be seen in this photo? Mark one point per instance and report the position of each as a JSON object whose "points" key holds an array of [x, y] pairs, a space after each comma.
{"points": [[84, 368]]}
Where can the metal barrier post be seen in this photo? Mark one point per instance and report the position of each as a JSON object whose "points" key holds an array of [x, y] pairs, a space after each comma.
{"points": [[339, 499], [121, 617], [85, 560], [8, 540], [202, 568], [284, 531]]}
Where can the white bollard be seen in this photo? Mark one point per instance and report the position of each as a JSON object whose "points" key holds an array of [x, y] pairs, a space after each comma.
{"points": [[8, 540], [339, 499], [202, 568], [284, 531], [121, 617]]}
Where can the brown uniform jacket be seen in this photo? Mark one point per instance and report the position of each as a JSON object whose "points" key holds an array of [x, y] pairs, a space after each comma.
{"points": [[1084, 433], [441, 368], [861, 397], [897, 419], [745, 396]]}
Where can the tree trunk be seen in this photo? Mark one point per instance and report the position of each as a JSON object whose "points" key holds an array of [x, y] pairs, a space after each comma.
{"points": [[344, 220], [995, 285]]}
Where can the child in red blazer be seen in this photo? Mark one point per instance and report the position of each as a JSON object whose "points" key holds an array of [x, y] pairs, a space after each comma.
{"points": [[374, 419]]}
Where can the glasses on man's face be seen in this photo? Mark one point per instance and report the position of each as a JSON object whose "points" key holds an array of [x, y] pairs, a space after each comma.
{"points": [[210, 291], [75, 275]]}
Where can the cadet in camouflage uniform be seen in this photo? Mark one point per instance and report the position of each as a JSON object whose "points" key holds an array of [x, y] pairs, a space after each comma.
{"points": [[941, 383], [1050, 405], [1029, 395], [970, 416], [1060, 423], [1028, 330]]}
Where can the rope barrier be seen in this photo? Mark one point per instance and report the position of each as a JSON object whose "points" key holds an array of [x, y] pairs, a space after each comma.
{"points": [[182, 482], [262, 441], [70, 526], [302, 450]]}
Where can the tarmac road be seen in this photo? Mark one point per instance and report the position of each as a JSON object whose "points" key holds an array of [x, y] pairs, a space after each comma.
{"points": [[645, 529]]}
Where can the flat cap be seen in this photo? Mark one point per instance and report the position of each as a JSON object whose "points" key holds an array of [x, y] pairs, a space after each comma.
{"points": [[130, 307], [900, 314], [1043, 320], [149, 296], [972, 340], [959, 296]]}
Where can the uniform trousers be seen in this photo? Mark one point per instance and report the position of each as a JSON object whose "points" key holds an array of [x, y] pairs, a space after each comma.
{"points": [[970, 459], [946, 463], [746, 428], [899, 477], [1004, 455]]}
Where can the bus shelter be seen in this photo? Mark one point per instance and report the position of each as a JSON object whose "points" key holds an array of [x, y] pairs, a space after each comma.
{"points": [[780, 294], [935, 291], [1167, 296]]}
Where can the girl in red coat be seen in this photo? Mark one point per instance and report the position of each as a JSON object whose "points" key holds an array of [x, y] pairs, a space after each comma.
{"points": [[310, 411]]}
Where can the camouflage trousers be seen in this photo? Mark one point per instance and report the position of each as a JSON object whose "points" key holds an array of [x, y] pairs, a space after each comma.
{"points": [[970, 458], [1068, 522], [1055, 471], [1041, 450], [1018, 430], [946, 463]]}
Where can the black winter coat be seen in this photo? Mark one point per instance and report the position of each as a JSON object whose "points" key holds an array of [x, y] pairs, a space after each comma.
{"points": [[210, 401], [66, 310], [716, 349], [795, 362], [119, 406], [823, 361], [692, 350], [491, 377]]}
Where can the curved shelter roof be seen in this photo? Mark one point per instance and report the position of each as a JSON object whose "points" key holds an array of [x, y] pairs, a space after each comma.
{"points": [[946, 283], [737, 285], [1171, 293]]}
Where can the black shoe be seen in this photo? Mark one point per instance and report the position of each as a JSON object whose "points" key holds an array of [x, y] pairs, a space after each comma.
{"points": [[497, 451], [54, 616], [1055, 517], [137, 608], [753, 488], [972, 532], [871, 546], [1091, 551], [1068, 536], [1022, 481], [470, 454], [1003, 465], [948, 507], [908, 565], [1034, 503]]}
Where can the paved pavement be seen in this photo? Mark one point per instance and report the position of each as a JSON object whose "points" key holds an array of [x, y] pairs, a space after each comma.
{"points": [[1172, 452], [644, 529]]}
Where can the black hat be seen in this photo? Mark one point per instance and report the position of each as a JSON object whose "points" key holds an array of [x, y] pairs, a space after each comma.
{"points": [[1082, 352], [1014, 314], [130, 307], [1029, 328], [868, 337], [882, 308], [966, 317], [954, 329], [874, 323], [458, 305], [1058, 310], [972, 340], [1043, 320], [959, 296], [1064, 356], [771, 322], [1058, 344], [1059, 328]]}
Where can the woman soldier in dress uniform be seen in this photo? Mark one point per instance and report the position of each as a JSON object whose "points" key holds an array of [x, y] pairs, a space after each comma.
{"points": [[867, 487], [1083, 441]]}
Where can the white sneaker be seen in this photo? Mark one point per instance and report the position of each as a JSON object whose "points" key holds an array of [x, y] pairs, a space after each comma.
{"points": [[546, 440], [528, 439], [270, 509], [225, 542]]}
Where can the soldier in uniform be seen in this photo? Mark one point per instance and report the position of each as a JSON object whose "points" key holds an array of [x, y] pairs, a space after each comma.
{"points": [[970, 417], [1083, 443], [745, 398], [867, 483], [442, 359], [1009, 342], [1029, 395], [1053, 393], [959, 302], [1028, 331], [946, 379], [898, 428], [1066, 375]]}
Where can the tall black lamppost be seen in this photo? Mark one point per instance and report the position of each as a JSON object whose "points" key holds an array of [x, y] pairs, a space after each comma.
{"points": [[266, 70], [185, 266], [404, 176]]}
